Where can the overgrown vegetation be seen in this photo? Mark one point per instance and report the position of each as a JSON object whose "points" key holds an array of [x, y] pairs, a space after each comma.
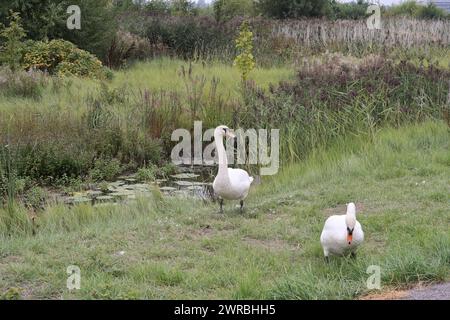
{"points": [[398, 180], [365, 105]]}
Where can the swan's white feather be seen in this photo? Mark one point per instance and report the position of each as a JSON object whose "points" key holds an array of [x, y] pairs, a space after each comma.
{"points": [[238, 186], [334, 236]]}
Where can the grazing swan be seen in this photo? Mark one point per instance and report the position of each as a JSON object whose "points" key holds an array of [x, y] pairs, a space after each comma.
{"points": [[342, 234], [229, 184]]}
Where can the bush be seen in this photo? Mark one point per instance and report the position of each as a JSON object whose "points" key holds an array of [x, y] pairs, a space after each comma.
{"points": [[225, 10], [105, 170], [35, 198], [413, 9], [127, 47], [147, 174], [353, 10], [62, 58], [282, 9]]}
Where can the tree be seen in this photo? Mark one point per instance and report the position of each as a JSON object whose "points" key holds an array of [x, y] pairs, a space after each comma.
{"points": [[46, 20], [183, 7], [227, 9], [245, 61], [10, 52], [282, 9]]}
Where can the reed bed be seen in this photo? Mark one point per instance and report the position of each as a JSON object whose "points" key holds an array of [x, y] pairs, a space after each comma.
{"points": [[394, 33]]}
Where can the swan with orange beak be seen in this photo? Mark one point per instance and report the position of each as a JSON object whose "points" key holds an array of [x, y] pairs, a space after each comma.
{"points": [[342, 234]]}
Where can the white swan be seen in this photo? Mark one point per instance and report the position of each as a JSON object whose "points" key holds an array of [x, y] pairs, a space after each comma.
{"points": [[342, 234], [229, 184]]}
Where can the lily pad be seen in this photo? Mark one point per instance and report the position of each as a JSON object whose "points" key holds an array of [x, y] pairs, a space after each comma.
{"points": [[78, 200], [167, 189], [121, 195], [185, 176], [94, 193], [182, 183], [105, 198], [195, 188]]}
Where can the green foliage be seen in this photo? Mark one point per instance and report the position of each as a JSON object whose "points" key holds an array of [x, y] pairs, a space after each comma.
{"points": [[62, 58], [225, 10], [105, 170], [182, 7], [147, 174], [35, 198], [11, 51], [11, 294], [415, 10], [351, 10], [316, 109], [282, 9], [245, 61], [47, 20], [185, 36]]}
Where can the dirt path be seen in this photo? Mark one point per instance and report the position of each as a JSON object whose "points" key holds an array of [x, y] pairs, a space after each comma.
{"points": [[434, 292]]}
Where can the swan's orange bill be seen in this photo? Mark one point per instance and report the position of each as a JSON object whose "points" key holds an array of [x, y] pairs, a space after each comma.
{"points": [[349, 238]]}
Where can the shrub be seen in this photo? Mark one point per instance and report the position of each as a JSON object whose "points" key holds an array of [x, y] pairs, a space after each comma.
{"points": [[105, 170], [49, 161], [184, 36], [352, 10], [147, 173], [225, 10], [62, 58], [127, 47], [35, 198], [282, 9], [413, 9]]}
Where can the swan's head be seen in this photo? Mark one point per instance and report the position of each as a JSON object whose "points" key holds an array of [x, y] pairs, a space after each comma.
{"points": [[224, 131], [350, 221]]}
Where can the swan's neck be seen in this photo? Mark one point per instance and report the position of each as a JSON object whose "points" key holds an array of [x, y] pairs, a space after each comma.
{"points": [[223, 161], [350, 219]]}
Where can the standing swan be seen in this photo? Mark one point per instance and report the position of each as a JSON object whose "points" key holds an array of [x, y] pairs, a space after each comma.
{"points": [[229, 184], [342, 234]]}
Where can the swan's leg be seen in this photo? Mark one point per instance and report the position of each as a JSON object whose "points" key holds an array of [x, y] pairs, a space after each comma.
{"points": [[221, 205], [327, 259], [242, 205]]}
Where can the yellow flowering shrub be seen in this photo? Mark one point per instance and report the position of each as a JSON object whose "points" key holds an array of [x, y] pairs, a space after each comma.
{"points": [[63, 58]]}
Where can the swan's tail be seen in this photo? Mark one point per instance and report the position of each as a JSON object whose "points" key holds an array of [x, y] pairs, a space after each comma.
{"points": [[251, 180]]}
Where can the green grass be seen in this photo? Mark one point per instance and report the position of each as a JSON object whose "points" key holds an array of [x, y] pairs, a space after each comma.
{"points": [[165, 74], [155, 75], [184, 249]]}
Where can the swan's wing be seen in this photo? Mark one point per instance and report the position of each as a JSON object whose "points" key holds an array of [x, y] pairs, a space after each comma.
{"points": [[240, 181], [239, 176]]}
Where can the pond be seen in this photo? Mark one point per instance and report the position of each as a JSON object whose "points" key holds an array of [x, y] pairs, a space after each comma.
{"points": [[189, 182]]}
